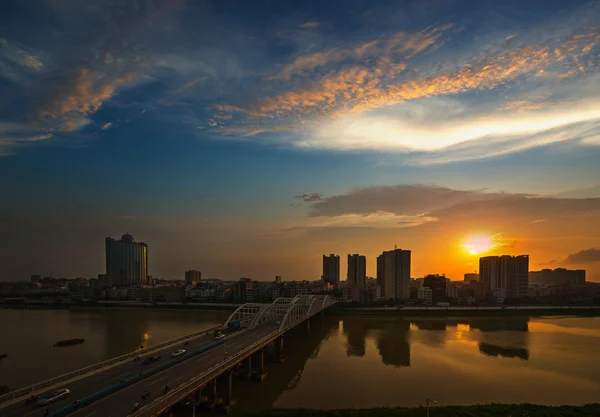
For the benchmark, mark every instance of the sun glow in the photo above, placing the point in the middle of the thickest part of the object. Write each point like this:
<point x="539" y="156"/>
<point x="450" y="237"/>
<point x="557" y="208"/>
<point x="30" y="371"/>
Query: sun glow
<point x="478" y="244"/>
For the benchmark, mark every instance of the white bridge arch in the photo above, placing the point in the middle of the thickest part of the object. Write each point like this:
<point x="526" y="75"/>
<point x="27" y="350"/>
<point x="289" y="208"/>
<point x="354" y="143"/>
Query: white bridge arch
<point x="285" y="311"/>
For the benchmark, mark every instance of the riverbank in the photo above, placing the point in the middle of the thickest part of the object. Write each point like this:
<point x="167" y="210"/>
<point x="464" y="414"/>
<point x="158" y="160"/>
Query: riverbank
<point x="33" y="304"/>
<point x="509" y="311"/>
<point x="491" y="410"/>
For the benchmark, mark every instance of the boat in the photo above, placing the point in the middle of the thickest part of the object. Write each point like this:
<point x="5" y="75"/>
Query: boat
<point x="69" y="342"/>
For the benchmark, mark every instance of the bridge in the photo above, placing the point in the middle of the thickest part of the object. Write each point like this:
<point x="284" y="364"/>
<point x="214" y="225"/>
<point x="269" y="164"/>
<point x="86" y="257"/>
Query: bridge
<point x="111" y="388"/>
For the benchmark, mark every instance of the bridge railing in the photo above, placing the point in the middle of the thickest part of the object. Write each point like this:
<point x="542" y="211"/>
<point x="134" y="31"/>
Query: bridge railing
<point x="180" y="393"/>
<point x="63" y="378"/>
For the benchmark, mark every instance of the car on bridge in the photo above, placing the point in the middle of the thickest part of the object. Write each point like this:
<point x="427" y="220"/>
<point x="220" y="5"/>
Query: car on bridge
<point x="151" y="359"/>
<point x="53" y="396"/>
<point x="219" y="336"/>
<point x="178" y="353"/>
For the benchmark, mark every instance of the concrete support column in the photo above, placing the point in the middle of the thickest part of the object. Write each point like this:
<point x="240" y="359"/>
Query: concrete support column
<point x="279" y="349"/>
<point x="228" y="388"/>
<point x="212" y="390"/>
<point x="259" y="361"/>
<point x="245" y="370"/>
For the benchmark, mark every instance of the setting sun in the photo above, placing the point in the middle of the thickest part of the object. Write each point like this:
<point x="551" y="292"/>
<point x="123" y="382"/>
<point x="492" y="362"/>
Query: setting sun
<point x="478" y="244"/>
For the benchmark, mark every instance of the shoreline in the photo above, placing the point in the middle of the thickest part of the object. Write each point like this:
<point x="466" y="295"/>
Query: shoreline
<point x="488" y="410"/>
<point x="119" y="305"/>
<point x="460" y="312"/>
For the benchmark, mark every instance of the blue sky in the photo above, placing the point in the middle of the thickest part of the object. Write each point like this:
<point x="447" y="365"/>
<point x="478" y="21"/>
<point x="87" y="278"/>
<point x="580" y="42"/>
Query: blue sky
<point x="196" y="125"/>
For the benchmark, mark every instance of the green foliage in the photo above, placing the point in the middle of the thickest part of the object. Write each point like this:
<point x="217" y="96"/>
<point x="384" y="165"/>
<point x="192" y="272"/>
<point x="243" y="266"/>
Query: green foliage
<point x="490" y="410"/>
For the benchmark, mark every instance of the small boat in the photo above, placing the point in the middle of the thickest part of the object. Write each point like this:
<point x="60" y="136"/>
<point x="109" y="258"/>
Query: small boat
<point x="69" y="342"/>
<point x="3" y="355"/>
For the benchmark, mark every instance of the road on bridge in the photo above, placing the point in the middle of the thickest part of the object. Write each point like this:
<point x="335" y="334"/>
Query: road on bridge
<point x="91" y="384"/>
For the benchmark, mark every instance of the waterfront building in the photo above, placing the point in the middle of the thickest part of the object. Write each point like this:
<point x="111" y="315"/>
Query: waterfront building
<point x="193" y="277"/>
<point x="504" y="276"/>
<point x="126" y="261"/>
<point x="331" y="270"/>
<point x="393" y="274"/>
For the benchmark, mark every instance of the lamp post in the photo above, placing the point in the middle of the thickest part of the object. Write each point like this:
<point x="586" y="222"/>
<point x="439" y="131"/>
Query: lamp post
<point x="427" y="401"/>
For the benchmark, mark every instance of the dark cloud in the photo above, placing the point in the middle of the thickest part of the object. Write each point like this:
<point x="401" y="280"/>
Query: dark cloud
<point x="310" y="197"/>
<point x="584" y="256"/>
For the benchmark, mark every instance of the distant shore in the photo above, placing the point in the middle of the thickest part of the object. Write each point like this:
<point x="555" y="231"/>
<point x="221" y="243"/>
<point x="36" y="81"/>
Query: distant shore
<point x="470" y="311"/>
<point x="491" y="410"/>
<point x="117" y="304"/>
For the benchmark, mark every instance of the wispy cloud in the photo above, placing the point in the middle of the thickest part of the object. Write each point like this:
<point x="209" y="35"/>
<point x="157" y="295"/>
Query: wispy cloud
<point x="584" y="256"/>
<point x="16" y="135"/>
<point x="310" y="25"/>
<point x="309" y="197"/>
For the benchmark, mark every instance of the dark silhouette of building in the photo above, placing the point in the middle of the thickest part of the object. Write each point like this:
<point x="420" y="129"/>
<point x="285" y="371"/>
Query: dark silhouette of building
<point x="126" y="261"/>
<point x="393" y="274"/>
<point x="193" y="277"/>
<point x="437" y="283"/>
<point x="504" y="276"/>
<point x="559" y="276"/>
<point x="331" y="269"/>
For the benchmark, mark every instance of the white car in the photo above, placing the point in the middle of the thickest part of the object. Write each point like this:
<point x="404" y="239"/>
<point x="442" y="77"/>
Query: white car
<point x="219" y="337"/>
<point x="178" y="353"/>
<point x="53" y="396"/>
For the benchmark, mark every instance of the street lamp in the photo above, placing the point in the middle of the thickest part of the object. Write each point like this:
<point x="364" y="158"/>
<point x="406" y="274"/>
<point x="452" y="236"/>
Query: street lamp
<point x="427" y="401"/>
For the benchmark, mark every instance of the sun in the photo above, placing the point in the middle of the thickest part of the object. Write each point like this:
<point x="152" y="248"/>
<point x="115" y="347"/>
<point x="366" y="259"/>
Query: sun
<point x="478" y="244"/>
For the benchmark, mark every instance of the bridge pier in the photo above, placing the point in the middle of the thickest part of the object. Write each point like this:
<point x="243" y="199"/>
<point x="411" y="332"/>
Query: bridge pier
<point x="308" y="324"/>
<point x="259" y="359"/>
<point x="228" y="401"/>
<point x="279" y="349"/>
<point x="246" y="368"/>
<point x="207" y="402"/>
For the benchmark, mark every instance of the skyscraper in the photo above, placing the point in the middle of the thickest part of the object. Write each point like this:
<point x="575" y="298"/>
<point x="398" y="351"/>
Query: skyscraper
<point x="331" y="269"/>
<point x="357" y="271"/>
<point x="126" y="261"/>
<point x="504" y="276"/>
<point x="393" y="274"/>
<point x="192" y="277"/>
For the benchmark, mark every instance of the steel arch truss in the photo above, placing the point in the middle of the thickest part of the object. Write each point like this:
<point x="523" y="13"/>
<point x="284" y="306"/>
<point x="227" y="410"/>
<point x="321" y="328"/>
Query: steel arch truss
<point x="246" y="313"/>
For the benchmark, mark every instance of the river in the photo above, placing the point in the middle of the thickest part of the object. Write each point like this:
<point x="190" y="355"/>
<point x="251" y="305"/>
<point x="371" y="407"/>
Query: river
<point x="346" y="361"/>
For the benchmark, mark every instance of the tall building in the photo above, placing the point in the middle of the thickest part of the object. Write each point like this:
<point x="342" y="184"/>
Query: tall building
<point x="558" y="276"/>
<point x="126" y="261"/>
<point x="393" y="274"/>
<point x="437" y="283"/>
<point x="471" y="277"/>
<point x="278" y="278"/>
<point x="504" y="276"/>
<point x="331" y="269"/>
<point x="192" y="277"/>
<point x="357" y="271"/>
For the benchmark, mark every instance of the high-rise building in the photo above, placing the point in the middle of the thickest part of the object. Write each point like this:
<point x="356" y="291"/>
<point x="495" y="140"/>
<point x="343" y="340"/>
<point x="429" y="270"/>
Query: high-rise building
<point x="357" y="271"/>
<point x="278" y="278"/>
<point x="437" y="283"/>
<point x="192" y="277"/>
<point x="471" y="277"/>
<point x="331" y="269"/>
<point x="504" y="276"/>
<point x="558" y="276"/>
<point x="393" y="274"/>
<point x="126" y="261"/>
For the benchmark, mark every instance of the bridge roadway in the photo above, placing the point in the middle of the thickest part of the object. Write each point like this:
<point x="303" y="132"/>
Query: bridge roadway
<point x="91" y="384"/>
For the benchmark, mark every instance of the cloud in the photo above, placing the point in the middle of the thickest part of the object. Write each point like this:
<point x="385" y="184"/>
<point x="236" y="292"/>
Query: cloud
<point x="16" y="135"/>
<point x="310" y="25"/>
<point x="421" y="204"/>
<point x="106" y="125"/>
<point x="310" y="197"/>
<point x="584" y="256"/>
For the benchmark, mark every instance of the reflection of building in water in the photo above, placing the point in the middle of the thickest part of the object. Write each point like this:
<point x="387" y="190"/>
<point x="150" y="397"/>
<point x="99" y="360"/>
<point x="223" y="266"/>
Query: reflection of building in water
<point x="434" y="332"/>
<point x="393" y="345"/>
<point x="356" y="334"/>
<point x="507" y="352"/>
<point x="503" y="337"/>
<point x="122" y="331"/>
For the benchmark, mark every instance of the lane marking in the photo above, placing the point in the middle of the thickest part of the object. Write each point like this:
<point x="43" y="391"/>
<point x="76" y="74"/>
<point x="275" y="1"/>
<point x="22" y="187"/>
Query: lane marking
<point x="156" y="381"/>
<point x="90" y="414"/>
<point x="116" y="377"/>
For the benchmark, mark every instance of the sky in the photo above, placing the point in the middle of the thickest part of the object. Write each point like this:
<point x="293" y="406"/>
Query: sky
<point x="246" y="139"/>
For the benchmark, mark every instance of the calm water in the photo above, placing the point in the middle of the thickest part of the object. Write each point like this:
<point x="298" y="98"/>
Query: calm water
<point x="343" y="361"/>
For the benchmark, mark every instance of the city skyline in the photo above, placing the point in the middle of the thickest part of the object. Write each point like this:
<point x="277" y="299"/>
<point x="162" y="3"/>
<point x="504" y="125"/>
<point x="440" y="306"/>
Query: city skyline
<point x="246" y="140"/>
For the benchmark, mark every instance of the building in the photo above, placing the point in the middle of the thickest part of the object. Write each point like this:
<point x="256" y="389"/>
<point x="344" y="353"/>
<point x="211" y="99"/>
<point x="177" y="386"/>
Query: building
<point x="373" y="292"/>
<point x="393" y="274"/>
<point x="504" y="276"/>
<point x="437" y="284"/>
<point x="193" y="277"/>
<point x="559" y="276"/>
<point x="278" y="279"/>
<point x="126" y="261"/>
<point x="357" y="271"/>
<point x="331" y="270"/>
<point x="471" y="277"/>
<point x="453" y="289"/>
<point x="425" y="294"/>
<point x="243" y="289"/>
